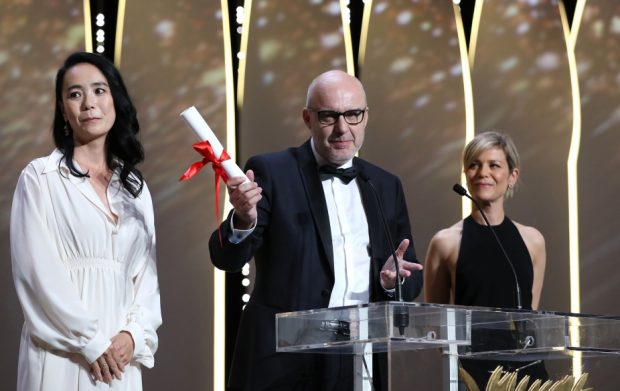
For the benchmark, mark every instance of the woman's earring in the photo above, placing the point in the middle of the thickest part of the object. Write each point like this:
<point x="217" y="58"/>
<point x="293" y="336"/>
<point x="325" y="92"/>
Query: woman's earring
<point x="66" y="130"/>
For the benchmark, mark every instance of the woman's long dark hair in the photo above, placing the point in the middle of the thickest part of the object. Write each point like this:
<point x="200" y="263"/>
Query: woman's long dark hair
<point x="123" y="149"/>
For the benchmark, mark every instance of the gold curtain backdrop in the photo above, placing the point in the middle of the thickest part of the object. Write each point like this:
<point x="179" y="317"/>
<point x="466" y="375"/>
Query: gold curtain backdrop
<point x="35" y="37"/>
<point x="413" y="74"/>
<point x="427" y="91"/>
<point x="169" y="66"/>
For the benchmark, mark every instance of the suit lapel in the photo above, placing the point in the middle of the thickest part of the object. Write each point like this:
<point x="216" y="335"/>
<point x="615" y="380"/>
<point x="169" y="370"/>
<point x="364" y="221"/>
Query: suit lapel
<point x="316" y="199"/>
<point x="372" y="213"/>
<point x="375" y="232"/>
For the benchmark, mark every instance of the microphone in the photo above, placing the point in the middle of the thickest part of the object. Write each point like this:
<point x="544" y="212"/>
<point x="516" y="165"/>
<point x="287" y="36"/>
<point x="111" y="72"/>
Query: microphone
<point x="401" y="314"/>
<point x="460" y="190"/>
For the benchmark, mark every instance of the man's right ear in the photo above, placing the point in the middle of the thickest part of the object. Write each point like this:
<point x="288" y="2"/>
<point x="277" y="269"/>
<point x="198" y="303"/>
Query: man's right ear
<point x="306" y="116"/>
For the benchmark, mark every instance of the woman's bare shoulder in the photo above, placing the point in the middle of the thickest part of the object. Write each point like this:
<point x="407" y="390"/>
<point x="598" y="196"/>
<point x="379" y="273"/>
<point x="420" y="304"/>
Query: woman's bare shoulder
<point x="530" y="235"/>
<point x="447" y="239"/>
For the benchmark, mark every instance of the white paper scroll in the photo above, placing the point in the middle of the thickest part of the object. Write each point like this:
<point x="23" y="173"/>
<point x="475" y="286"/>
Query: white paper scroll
<point x="198" y="124"/>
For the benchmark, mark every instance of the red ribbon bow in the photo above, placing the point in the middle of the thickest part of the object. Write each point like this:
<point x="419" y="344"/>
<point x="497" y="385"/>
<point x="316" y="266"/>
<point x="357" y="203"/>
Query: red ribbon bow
<point x="204" y="148"/>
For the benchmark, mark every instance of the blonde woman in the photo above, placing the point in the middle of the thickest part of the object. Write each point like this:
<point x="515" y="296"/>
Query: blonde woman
<point x="466" y="266"/>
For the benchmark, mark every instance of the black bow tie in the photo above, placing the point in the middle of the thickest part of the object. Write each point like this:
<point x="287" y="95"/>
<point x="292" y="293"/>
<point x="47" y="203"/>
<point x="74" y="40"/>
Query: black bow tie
<point x="346" y="175"/>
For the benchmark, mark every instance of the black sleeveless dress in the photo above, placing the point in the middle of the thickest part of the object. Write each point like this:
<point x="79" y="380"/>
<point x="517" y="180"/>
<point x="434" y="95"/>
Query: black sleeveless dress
<point x="484" y="278"/>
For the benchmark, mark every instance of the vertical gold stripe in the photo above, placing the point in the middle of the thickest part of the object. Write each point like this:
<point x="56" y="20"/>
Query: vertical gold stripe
<point x="469" y="110"/>
<point x="88" y="28"/>
<point x="473" y="34"/>
<point x="468" y="95"/>
<point x="231" y="139"/>
<point x="219" y="276"/>
<point x="361" y="54"/>
<point x="348" y="42"/>
<point x="571" y="167"/>
<point x="573" y="156"/>
<point x="118" y="42"/>
<point x="576" y="25"/>
<point x="245" y="36"/>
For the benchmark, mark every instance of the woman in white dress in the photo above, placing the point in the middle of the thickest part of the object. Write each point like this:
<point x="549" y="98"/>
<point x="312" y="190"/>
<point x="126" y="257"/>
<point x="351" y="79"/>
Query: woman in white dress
<point x="83" y="242"/>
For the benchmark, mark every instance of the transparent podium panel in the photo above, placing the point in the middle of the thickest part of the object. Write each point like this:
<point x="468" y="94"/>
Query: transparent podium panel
<point x="460" y="332"/>
<point x="515" y="335"/>
<point x="593" y="335"/>
<point x="386" y="326"/>
<point x="476" y="332"/>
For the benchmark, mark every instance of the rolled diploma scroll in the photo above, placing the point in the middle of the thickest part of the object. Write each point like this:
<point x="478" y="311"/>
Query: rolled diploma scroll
<point x="198" y="124"/>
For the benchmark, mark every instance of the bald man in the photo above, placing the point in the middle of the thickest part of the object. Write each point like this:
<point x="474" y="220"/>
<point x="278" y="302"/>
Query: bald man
<point x="310" y="219"/>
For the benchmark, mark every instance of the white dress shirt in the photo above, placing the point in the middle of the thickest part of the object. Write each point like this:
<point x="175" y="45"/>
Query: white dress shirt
<point x="350" y="240"/>
<point x="349" y="230"/>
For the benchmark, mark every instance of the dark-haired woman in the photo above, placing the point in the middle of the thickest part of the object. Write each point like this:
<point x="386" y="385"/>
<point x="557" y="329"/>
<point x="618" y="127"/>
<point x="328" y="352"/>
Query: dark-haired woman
<point x="83" y="242"/>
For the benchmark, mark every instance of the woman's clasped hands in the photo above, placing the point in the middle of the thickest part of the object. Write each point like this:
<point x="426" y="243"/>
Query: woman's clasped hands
<point x="111" y="364"/>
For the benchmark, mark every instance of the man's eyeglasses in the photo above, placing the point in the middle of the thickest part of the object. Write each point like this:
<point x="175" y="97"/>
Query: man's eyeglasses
<point x="330" y="117"/>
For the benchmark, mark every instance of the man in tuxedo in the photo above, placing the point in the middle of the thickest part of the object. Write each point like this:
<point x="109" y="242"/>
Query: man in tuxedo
<point x="317" y="239"/>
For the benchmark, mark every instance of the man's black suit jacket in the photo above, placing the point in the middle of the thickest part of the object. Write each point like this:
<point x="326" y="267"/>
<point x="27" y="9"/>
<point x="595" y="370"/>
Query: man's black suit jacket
<point x="293" y="254"/>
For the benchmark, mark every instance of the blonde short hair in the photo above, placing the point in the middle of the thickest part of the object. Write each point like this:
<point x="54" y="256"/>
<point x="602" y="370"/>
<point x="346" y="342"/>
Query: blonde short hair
<point x="489" y="140"/>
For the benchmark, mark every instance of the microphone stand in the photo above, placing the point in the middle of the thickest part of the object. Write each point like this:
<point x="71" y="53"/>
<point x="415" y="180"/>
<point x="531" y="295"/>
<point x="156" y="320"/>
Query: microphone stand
<point x="401" y="313"/>
<point x="460" y="190"/>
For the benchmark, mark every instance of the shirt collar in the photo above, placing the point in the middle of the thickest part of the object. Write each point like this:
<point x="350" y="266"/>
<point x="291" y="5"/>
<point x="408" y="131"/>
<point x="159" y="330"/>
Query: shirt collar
<point x="55" y="161"/>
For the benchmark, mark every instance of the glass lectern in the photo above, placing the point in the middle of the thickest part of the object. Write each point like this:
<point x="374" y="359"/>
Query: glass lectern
<point x="473" y="332"/>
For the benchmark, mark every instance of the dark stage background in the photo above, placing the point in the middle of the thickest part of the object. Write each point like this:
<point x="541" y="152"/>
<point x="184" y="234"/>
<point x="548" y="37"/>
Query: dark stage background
<point x="545" y="71"/>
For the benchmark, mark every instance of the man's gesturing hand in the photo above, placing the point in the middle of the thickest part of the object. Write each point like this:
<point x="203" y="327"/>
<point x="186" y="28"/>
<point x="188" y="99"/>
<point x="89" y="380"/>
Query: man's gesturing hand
<point x="388" y="272"/>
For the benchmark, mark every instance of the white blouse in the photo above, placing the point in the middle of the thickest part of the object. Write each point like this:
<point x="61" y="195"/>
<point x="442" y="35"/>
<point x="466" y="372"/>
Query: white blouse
<point x="80" y="277"/>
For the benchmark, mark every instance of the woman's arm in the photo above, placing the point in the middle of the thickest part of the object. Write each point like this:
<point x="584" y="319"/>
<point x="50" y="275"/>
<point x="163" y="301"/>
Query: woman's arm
<point x="53" y="311"/>
<point x="144" y="316"/>
<point x="535" y="243"/>
<point x="438" y="267"/>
